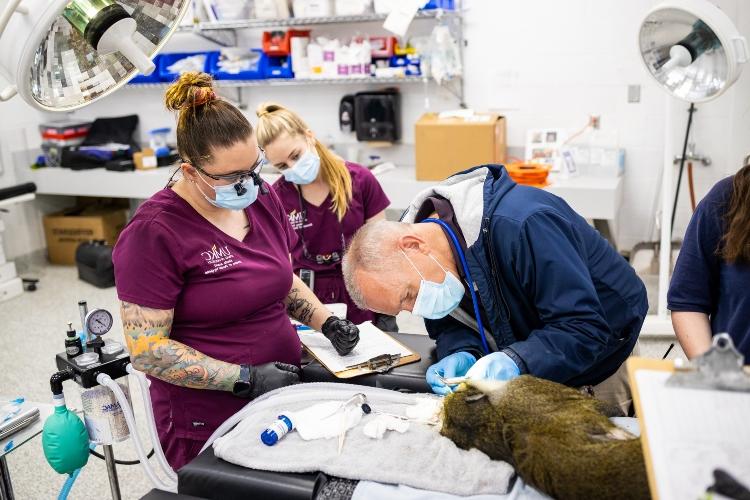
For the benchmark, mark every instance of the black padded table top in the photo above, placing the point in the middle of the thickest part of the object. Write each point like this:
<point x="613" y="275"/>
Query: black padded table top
<point x="212" y="478"/>
<point x="165" y="495"/>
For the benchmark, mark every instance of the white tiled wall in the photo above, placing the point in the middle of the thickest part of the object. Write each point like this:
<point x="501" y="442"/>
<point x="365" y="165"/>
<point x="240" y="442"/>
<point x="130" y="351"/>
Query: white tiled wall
<point x="543" y="63"/>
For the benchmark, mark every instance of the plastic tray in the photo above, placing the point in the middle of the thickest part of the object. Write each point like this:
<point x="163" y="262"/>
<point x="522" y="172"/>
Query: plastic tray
<point x="278" y="67"/>
<point x="257" y="74"/>
<point x="167" y="60"/>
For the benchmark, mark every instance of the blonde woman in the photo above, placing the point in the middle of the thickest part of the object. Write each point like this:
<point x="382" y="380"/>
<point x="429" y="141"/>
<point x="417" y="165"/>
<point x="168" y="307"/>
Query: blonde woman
<point x="326" y="198"/>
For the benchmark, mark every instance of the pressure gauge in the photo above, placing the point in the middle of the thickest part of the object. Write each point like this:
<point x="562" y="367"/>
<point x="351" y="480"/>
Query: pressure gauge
<point x="99" y="322"/>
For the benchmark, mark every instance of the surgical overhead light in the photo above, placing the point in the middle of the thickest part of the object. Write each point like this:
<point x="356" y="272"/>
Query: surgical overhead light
<point x="60" y="55"/>
<point x="695" y="53"/>
<point x="692" y="49"/>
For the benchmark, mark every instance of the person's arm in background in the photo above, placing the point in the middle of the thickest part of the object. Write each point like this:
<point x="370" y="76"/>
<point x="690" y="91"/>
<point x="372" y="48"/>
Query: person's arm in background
<point x="378" y="216"/>
<point x="693" y="330"/>
<point x="154" y="353"/>
<point x="693" y="291"/>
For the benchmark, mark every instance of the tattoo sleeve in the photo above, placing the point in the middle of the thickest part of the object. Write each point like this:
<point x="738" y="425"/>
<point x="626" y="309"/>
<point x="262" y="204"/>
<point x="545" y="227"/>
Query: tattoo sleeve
<point x="153" y="352"/>
<point x="304" y="306"/>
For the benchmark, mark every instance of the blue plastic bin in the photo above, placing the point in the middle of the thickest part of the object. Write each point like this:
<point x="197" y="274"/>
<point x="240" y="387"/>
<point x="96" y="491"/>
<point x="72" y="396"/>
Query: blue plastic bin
<point x="152" y="78"/>
<point x="440" y="4"/>
<point x="256" y="73"/>
<point x="279" y="67"/>
<point x="167" y="60"/>
<point x="411" y="63"/>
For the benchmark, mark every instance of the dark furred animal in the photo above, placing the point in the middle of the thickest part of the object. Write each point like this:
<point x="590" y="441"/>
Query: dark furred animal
<point x="559" y="440"/>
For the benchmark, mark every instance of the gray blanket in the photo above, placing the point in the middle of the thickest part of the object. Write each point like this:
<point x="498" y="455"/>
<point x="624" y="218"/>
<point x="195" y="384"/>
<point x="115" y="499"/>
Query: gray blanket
<point x="420" y="458"/>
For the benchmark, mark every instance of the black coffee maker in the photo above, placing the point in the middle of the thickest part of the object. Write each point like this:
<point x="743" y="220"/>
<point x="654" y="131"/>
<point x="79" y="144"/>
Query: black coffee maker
<point x="375" y="116"/>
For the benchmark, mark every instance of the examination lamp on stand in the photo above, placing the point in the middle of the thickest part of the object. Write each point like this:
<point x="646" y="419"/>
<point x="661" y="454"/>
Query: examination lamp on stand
<point x="60" y="55"/>
<point x="695" y="53"/>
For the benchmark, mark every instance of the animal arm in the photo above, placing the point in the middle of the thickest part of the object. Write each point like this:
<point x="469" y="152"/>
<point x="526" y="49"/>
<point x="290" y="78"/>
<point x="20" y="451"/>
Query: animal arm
<point x="154" y="353"/>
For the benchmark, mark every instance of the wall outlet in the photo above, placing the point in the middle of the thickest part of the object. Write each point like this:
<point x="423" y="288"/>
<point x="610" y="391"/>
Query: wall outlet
<point x="634" y="93"/>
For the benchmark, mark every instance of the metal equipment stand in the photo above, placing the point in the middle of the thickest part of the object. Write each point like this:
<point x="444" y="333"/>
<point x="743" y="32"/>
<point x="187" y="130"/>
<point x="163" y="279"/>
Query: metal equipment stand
<point x="6" y="488"/>
<point x="114" y="483"/>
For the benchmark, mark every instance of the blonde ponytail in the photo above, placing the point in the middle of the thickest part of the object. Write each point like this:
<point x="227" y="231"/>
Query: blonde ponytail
<point x="275" y="119"/>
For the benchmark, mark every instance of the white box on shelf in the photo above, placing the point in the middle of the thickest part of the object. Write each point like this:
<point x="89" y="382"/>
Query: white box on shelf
<point x="312" y="8"/>
<point x="11" y="289"/>
<point x="353" y="7"/>
<point x="384" y="6"/>
<point x="8" y="271"/>
<point x="271" y="9"/>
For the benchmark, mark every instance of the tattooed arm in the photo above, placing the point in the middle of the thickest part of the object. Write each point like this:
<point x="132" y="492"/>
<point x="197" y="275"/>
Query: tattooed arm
<point x="304" y="306"/>
<point x="154" y="353"/>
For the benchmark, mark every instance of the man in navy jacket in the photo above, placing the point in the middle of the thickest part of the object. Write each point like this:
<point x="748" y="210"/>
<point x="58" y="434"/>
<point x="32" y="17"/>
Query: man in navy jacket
<point x="554" y="298"/>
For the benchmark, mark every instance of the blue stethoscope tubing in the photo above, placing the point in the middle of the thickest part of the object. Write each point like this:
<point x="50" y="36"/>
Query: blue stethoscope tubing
<point x="465" y="266"/>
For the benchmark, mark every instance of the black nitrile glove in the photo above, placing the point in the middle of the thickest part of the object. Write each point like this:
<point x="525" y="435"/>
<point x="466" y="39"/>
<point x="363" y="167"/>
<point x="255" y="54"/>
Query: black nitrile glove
<point x="343" y="334"/>
<point x="270" y="376"/>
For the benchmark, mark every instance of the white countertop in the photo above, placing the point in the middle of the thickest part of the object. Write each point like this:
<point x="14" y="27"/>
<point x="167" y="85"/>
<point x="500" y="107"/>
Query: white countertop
<point x="592" y="197"/>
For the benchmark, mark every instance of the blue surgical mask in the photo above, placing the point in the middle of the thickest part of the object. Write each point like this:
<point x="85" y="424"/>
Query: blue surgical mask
<point x="437" y="300"/>
<point x="305" y="170"/>
<point x="237" y="196"/>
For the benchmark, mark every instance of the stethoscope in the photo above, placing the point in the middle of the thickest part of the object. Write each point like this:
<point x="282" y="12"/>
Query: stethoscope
<point x="465" y="267"/>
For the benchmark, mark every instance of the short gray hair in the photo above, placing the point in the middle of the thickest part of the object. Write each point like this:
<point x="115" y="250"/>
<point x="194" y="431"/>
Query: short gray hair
<point x="370" y="250"/>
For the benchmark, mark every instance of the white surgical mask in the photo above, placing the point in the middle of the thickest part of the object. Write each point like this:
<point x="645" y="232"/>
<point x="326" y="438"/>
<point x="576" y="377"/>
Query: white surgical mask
<point x="305" y="170"/>
<point x="437" y="300"/>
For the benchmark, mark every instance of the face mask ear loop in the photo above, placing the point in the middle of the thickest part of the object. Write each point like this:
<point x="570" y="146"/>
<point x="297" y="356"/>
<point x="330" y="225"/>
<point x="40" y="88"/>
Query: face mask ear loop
<point x="439" y="264"/>
<point x="412" y="265"/>
<point x="211" y="201"/>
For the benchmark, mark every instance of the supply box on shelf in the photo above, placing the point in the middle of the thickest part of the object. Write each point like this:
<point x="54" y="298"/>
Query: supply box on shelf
<point x="66" y="229"/>
<point x="448" y="145"/>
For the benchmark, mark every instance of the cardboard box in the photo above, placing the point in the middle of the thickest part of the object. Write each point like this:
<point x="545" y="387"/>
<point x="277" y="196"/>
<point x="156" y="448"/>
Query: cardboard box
<point x="69" y="228"/>
<point x="445" y="146"/>
<point x="145" y="159"/>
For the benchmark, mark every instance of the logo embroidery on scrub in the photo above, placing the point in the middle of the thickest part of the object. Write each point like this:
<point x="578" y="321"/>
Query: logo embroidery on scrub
<point x="296" y="219"/>
<point x="219" y="258"/>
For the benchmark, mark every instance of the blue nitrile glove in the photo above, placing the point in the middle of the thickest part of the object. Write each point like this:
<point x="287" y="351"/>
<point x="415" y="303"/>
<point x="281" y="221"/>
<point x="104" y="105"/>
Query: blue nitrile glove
<point x="454" y="365"/>
<point x="495" y="366"/>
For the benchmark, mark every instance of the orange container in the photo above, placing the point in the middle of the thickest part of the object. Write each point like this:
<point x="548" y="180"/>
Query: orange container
<point x="530" y="174"/>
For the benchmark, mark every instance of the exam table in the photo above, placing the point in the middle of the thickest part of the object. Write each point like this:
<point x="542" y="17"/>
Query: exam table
<point x="209" y="477"/>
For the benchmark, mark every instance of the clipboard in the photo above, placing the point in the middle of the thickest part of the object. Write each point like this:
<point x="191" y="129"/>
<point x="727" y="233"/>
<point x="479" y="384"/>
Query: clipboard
<point x="707" y="379"/>
<point x="378" y="352"/>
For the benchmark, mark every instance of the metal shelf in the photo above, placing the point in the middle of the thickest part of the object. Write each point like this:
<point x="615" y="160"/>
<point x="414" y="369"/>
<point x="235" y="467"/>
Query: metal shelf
<point x="293" y="82"/>
<point x="306" y="21"/>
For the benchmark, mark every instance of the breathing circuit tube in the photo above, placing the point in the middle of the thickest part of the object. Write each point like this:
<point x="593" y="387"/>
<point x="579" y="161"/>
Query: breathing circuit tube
<point x="68" y="485"/>
<point x="143" y="382"/>
<point x="107" y="381"/>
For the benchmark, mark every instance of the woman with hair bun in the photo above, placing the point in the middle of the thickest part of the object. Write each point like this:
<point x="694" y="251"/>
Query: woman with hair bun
<point x="326" y="200"/>
<point x="205" y="280"/>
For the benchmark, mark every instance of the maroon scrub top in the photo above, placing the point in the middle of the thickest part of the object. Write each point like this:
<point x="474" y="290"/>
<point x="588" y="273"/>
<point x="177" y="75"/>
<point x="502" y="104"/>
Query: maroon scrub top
<point x="227" y="297"/>
<point x="322" y="233"/>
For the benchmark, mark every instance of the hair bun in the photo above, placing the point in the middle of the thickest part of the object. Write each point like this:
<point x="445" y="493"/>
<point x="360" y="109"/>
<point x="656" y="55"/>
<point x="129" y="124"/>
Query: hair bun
<point x="192" y="89"/>
<point x="267" y="108"/>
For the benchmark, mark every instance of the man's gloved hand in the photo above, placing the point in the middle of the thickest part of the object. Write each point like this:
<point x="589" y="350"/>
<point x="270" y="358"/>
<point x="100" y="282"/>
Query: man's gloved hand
<point x="270" y="376"/>
<point x="454" y="365"/>
<point x="343" y="334"/>
<point x="495" y="366"/>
